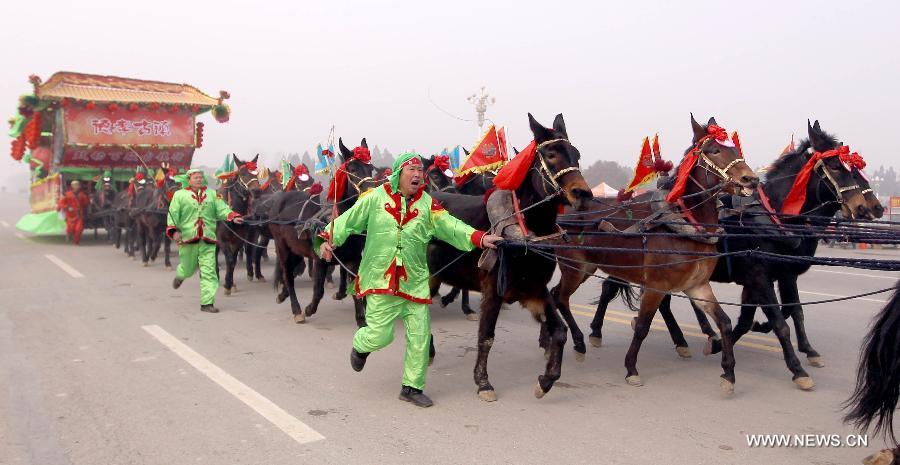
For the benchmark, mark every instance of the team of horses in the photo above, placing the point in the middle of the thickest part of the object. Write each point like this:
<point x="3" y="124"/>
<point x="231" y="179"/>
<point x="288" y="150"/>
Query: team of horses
<point x="645" y="264"/>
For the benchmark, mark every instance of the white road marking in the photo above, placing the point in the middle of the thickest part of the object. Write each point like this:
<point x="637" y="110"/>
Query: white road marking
<point x="836" y="295"/>
<point x="64" y="266"/>
<point x="293" y="427"/>
<point x="4" y="223"/>
<point x="879" y="276"/>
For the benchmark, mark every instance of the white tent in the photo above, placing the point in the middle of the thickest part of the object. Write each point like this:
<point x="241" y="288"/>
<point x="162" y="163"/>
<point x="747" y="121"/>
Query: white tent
<point x="604" y="190"/>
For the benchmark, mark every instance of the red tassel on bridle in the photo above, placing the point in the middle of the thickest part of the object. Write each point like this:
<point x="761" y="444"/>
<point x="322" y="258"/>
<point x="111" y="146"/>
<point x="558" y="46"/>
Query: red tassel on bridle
<point x="797" y="196"/>
<point x="690" y="159"/>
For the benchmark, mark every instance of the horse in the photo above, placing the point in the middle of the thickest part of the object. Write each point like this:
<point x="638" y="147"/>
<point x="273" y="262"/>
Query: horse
<point x="831" y="188"/>
<point x="152" y="205"/>
<point x="101" y="209"/>
<point x="239" y="189"/>
<point x="874" y="398"/>
<point x="123" y="211"/>
<point x="552" y="179"/>
<point x="712" y="164"/>
<point x="293" y="242"/>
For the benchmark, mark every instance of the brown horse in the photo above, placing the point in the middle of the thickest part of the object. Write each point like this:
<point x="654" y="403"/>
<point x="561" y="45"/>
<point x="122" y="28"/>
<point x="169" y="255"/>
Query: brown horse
<point x="552" y="179"/>
<point x="239" y="190"/>
<point x="711" y="165"/>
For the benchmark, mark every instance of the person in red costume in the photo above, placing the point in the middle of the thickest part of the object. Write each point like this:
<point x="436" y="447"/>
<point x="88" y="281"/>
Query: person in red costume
<point x="74" y="204"/>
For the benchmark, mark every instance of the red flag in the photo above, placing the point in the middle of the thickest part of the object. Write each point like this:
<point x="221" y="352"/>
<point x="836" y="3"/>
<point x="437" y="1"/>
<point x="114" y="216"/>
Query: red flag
<point x="644" y="172"/>
<point x="790" y="147"/>
<point x="485" y="156"/>
<point x="501" y="142"/>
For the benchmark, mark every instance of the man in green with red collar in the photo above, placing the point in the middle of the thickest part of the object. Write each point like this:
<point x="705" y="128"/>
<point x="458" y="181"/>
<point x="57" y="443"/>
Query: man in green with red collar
<point x="191" y="222"/>
<point x="400" y="220"/>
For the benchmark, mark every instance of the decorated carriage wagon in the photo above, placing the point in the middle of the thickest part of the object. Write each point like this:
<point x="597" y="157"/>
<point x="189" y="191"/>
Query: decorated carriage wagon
<point x="82" y="126"/>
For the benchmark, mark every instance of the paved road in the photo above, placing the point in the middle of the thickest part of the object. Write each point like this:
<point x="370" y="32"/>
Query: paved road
<point x="103" y="363"/>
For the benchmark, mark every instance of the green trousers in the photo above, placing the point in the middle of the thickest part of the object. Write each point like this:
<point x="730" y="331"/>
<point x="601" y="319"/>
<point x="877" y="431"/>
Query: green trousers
<point x="202" y="255"/>
<point x="381" y="311"/>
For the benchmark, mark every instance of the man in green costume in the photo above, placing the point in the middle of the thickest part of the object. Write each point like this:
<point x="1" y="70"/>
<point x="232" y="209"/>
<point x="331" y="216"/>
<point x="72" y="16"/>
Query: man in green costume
<point x="400" y="219"/>
<point x="191" y="222"/>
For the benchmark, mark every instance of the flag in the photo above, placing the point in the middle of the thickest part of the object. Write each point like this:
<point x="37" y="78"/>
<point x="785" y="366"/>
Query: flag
<point x="485" y="156"/>
<point x="454" y="157"/>
<point x="789" y="148"/>
<point x="324" y="159"/>
<point x="286" y="171"/>
<point x="649" y="165"/>
<point x="501" y="142"/>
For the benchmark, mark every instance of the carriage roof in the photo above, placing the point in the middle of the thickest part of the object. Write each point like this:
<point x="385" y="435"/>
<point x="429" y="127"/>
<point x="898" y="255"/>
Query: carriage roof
<point x="97" y="88"/>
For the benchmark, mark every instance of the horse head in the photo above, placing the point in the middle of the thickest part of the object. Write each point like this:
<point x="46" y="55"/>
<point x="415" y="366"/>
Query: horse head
<point x="833" y="179"/>
<point x="438" y="174"/>
<point x="245" y="180"/>
<point x="555" y="167"/>
<point x="357" y="165"/>
<point x="718" y="160"/>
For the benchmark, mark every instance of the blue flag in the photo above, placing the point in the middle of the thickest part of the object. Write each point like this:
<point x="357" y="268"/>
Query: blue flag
<point x="454" y="158"/>
<point x="324" y="161"/>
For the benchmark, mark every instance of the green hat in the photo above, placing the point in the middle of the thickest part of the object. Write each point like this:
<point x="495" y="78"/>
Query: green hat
<point x="187" y="176"/>
<point x="408" y="158"/>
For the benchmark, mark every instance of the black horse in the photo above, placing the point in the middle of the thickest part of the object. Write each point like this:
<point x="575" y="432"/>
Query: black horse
<point x="239" y="190"/>
<point x="151" y="206"/>
<point x="552" y="179"/>
<point x="293" y="242"/>
<point x="831" y="188"/>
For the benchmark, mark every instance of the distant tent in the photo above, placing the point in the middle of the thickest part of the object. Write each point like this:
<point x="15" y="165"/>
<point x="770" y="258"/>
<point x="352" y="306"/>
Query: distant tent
<point x="604" y="190"/>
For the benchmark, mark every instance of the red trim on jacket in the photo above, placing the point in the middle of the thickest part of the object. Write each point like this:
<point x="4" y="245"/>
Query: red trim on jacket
<point x="476" y="238"/>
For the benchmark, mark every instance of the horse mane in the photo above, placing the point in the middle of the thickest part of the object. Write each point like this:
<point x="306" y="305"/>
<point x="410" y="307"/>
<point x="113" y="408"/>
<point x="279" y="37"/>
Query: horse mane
<point x="780" y="176"/>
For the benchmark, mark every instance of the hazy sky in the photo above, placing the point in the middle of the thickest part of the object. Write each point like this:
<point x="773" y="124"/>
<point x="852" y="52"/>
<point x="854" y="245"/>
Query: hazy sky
<point x="616" y="70"/>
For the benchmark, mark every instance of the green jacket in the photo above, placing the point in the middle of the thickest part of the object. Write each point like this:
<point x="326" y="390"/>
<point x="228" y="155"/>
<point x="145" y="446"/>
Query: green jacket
<point x="194" y="214"/>
<point x="394" y="259"/>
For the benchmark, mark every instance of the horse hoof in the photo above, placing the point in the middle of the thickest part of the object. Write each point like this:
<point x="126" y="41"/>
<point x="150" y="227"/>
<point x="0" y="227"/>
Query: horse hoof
<point x="488" y="396"/>
<point x="805" y="382"/>
<point x="249" y="277"/>
<point x="299" y="318"/>
<point x="683" y="352"/>
<point x="634" y="380"/>
<point x="227" y="291"/>
<point x="579" y="357"/>
<point x="633" y="323"/>
<point x="472" y="316"/>
<point x="279" y="299"/>
<point x="727" y="386"/>
<point x="539" y="391"/>
<point x="816" y="362"/>
<point x="885" y="457"/>
<point x="707" y="348"/>
<point x="595" y="341"/>
<point x="261" y="279"/>
<point x="146" y="264"/>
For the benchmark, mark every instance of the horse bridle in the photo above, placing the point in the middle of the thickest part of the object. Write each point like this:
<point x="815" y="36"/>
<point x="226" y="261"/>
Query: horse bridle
<point x="708" y="164"/>
<point x="434" y="185"/>
<point x="547" y="176"/>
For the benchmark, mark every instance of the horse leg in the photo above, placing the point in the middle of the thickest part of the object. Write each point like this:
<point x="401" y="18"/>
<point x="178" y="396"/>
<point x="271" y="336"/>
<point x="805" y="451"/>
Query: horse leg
<point x="707" y="302"/>
<point x="766" y="296"/>
<point x="681" y="345"/>
<point x="487" y="324"/>
<point x="249" y="252"/>
<point x="649" y="303"/>
<point x="543" y="307"/>
<point x="607" y="294"/>
<point x="790" y="301"/>
<point x="167" y="250"/>
<point x="561" y="295"/>
<point x="231" y="251"/>
<point x="263" y="243"/>
<point x="281" y="253"/>
<point x="319" y="272"/>
<point x="288" y="272"/>
<point x="144" y="243"/>
<point x="342" y="286"/>
<point x="450" y="297"/>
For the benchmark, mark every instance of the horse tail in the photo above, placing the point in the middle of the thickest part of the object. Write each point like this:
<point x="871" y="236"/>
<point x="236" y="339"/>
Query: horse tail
<point x="878" y="376"/>
<point x="623" y="290"/>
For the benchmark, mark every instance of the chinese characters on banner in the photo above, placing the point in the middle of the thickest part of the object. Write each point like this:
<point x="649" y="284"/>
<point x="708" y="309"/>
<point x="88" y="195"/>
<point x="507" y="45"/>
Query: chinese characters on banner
<point x="141" y="127"/>
<point x="116" y="157"/>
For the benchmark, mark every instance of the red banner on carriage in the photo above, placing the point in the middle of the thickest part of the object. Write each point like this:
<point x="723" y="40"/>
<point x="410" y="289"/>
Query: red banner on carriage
<point x="125" y="127"/>
<point x="125" y="157"/>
